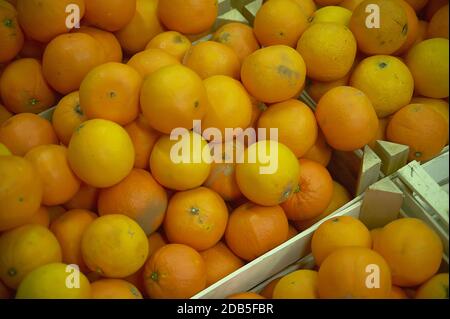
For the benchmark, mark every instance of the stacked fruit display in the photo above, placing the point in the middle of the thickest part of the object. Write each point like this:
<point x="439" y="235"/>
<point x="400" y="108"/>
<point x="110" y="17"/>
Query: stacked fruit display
<point x="97" y="189"/>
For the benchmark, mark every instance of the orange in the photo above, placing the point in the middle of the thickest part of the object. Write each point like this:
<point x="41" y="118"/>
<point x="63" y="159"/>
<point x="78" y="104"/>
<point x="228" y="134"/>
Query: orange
<point x="230" y="105"/>
<point x="320" y="152"/>
<point x="438" y="105"/>
<point x="155" y="242"/>
<point x="350" y="4"/>
<point x="11" y="36"/>
<point x="139" y="197"/>
<point x="67" y="116"/>
<point x="308" y="6"/>
<point x="340" y="197"/>
<point x="196" y="218"/>
<point x="331" y="14"/>
<point x="327" y="2"/>
<point x="337" y="233"/>
<point x="114" y="289"/>
<point x="188" y="16"/>
<point x="68" y="58"/>
<point x="274" y="74"/>
<point x="69" y="229"/>
<point x="260" y="228"/>
<point x="239" y="37"/>
<point x="432" y="7"/>
<point x="44" y="20"/>
<point x="413" y="28"/>
<point x="41" y="217"/>
<point x="317" y="89"/>
<point x="142" y="28"/>
<point x="175" y="272"/>
<point x="398" y="293"/>
<point x="381" y="133"/>
<point x="151" y="60"/>
<point x="111" y="92"/>
<point x="313" y="193"/>
<point x="421" y="128"/>
<point x="325" y="56"/>
<point x="60" y="183"/>
<point x="412" y="250"/>
<point x="85" y="198"/>
<point x="88" y="146"/>
<point x="143" y="138"/>
<point x="23" y="87"/>
<point x="280" y="22"/>
<point x="4" y="114"/>
<point x="220" y="262"/>
<point x="108" y="41"/>
<point x="246" y="295"/>
<point x="188" y="171"/>
<point x="120" y="260"/>
<point x="347" y="118"/>
<point x="387" y="37"/>
<point x="267" y="292"/>
<point x="435" y="288"/>
<point x="212" y="58"/>
<point x="51" y="282"/>
<point x="428" y="63"/>
<point x="301" y="284"/>
<point x="24" y="249"/>
<point x="422" y="32"/>
<point x="296" y="124"/>
<point x="386" y="81"/>
<point x="171" y="42"/>
<point x="110" y="15"/>
<point x="352" y="272"/>
<point x="24" y="131"/>
<point x="438" y="27"/>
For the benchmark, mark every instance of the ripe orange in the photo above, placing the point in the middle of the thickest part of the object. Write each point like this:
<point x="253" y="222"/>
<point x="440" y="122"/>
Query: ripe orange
<point x="347" y="118"/>
<point x="143" y="138"/>
<point x="24" y="131"/>
<point x="176" y="272"/>
<point x="398" y="293"/>
<point x="11" y="36"/>
<point x="68" y="58"/>
<point x="412" y="250"/>
<point x="85" y="198"/>
<point x="296" y="124"/>
<point x="111" y="92"/>
<point x="51" y="163"/>
<point x="188" y="16"/>
<point x="185" y="172"/>
<point x="320" y="152"/>
<point x="246" y="295"/>
<point x="44" y="20"/>
<point x="274" y="74"/>
<point x="173" y="97"/>
<point x="280" y="22"/>
<point x="239" y="37"/>
<point x="437" y="105"/>
<point x="151" y="60"/>
<point x="260" y="228"/>
<point x="108" y="41"/>
<point x="4" y="114"/>
<point x="220" y="262"/>
<point x="386" y="81"/>
<point x="24" y="249"/>
<point x="413" y="27"/>
<point x="155" y="242"/>
<point x="435" y="288"/>
<point x="317" y="89"/>
<point x="337" y="233"/>
<point x="139" y="197"/>
<point x="325" y="56"/>
<point x="67" y="116"/>
<point x="313" y="193"/>
<point x="196" y="218"/>
<point x="212" y="58"/>
<point x="301" y="284"/>
<point x="110" y="15"/>
<point x="391" y="33"/>
<point x="308" y="6"/>
<point x="421" y="128"/>
<point x="90" y="142"/>
<point x="69" y="229"/>
<point x="142" y="28"/>
<point x="331" y="14"/>
<point x="422" y="32"/>
<point x="125" y="257"/>
<point x="438" y="27"/>
<point x="340" y="197"/>
<point x="350" y="273"/>
<point x="171" y="42"/>
<point x="23" y="87"/>
<point x="229" y="104"/>
<point x="114" y="289"/>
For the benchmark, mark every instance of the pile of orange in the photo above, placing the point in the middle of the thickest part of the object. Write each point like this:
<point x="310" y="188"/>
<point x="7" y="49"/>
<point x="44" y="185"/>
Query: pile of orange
<point x="98" y="186"/>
